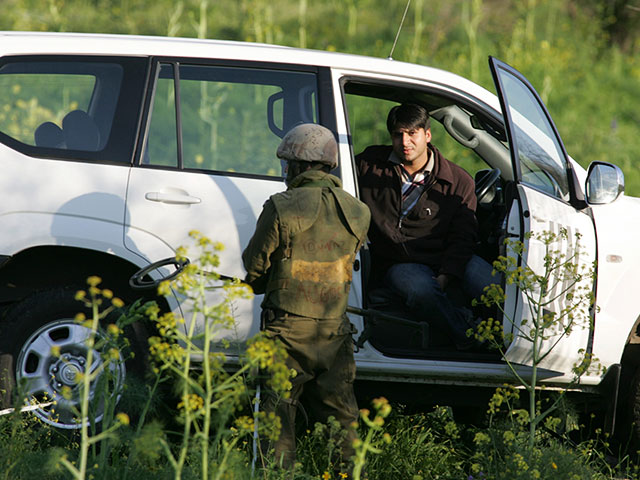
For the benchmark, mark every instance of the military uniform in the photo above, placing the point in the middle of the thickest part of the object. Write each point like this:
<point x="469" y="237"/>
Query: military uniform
<point x="301" y="257"/>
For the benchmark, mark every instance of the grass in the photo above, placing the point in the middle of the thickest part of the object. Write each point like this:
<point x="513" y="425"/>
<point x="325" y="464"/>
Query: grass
<point x="418" y="446"/>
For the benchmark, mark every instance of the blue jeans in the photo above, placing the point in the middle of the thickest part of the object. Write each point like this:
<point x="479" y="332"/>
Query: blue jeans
<point x="414" y="286"/>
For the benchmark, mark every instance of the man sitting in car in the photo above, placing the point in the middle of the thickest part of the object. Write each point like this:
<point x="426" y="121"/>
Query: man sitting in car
<point x="423" y="227"/>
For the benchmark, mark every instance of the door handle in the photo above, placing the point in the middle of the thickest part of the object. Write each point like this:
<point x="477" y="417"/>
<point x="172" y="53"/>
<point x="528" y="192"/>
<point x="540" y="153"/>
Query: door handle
<point x="172" y="198"/>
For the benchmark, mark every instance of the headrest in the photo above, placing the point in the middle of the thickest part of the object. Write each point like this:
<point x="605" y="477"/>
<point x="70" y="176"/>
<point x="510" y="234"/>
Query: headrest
<point x="49" y="134"/>
<point x="80" y="131"/>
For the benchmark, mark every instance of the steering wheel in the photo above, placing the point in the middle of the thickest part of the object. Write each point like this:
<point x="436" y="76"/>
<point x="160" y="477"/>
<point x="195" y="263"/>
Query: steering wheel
<point x="484" y="185"/>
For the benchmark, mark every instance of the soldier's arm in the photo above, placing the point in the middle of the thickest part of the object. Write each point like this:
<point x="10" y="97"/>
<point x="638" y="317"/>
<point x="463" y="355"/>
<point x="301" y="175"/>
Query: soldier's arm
<point x="257" y="256"/>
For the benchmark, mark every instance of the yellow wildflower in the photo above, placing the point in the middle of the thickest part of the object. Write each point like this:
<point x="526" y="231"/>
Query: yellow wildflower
<point x="481" y="438"/>
<point x="164" y="288"/>
<point x="381" y="404"/>
<point x="191" y="402"/>
<point x="123" y="418"/>
<point x="66" y="392"/>
<point x="152" y="310"/>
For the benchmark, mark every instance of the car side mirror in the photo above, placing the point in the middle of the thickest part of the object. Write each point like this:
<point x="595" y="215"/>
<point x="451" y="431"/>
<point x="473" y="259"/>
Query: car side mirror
<point x="605" y="183"/>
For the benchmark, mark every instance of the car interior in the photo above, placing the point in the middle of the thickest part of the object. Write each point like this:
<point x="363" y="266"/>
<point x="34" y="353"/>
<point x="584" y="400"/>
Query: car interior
<point x="473" y="140"/>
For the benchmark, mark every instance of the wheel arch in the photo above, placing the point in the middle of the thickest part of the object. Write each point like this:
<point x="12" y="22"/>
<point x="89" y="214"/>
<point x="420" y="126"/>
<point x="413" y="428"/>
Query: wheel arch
<point x="631" y="353"/>
<point x="618" y="387"/>
<point x="44" y="267"/>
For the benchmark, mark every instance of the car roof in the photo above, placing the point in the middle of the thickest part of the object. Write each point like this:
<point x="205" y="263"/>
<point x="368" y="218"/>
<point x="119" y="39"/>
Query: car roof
<point x="33" y="43"/>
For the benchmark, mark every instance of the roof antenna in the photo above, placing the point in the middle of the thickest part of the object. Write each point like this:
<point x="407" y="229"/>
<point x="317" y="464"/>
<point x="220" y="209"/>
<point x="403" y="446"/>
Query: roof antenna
<point x="390" y="57"/>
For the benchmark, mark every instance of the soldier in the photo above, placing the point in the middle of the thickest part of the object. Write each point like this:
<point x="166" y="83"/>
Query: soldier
<point x="301" y="257"/>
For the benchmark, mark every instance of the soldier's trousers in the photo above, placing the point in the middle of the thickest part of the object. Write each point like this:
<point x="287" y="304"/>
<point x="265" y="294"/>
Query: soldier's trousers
<point x="321" y="352"/>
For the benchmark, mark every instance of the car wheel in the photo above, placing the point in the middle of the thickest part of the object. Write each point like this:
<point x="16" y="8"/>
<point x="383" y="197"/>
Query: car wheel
<point x="47" y="348"/>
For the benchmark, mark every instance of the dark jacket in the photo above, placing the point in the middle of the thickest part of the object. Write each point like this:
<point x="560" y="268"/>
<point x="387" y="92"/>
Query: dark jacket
<point x="301" y="255"/>
<point x="441" y="229"/>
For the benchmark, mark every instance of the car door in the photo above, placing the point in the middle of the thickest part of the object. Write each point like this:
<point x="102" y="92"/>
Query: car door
<point x="548" y="199"/>
<point x="209" y="161"/>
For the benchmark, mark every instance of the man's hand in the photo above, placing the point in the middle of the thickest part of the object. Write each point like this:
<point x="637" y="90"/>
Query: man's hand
<point x="443" y="280"/>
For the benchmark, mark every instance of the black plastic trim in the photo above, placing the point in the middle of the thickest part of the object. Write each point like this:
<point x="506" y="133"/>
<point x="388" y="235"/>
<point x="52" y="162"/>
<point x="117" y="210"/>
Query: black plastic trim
<point x="4" y="259"/>
<point x="609" y="389"/>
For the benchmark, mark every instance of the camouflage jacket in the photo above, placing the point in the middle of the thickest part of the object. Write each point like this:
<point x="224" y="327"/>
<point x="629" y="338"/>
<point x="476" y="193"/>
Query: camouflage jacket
<point x="302" y="252"/>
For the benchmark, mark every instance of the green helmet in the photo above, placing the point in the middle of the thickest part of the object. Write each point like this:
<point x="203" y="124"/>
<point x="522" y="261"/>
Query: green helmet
<point x="309" y="143"/>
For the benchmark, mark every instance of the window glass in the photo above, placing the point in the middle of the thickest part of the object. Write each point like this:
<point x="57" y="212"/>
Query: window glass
<point x="41" y="98"/>
<point x="231" y="119"/>
<point x="542" y="161"/>
<point x="54" y="105"/>
<point x="162" y="139"/>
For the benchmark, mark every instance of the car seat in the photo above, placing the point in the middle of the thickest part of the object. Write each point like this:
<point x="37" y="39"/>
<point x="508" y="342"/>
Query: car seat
<point x="80" y="131"/>
<point x="48" y="134"/>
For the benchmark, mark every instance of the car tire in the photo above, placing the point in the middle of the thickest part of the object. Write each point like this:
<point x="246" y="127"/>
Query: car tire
<point x="632" y="410"/>
<point x="31" y="370"/>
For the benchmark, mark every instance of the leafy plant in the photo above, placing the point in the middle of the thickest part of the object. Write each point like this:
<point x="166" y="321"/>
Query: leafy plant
<point x="557" y="301"/>
<point x="211" y="395"/>
<point x="102" y="371"/>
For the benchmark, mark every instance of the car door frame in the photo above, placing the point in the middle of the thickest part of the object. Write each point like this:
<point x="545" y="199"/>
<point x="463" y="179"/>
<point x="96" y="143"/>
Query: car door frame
<point x="519" y="225"/>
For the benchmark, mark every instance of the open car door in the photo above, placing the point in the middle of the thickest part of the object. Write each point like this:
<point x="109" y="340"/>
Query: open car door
<point x="548" y="199"/>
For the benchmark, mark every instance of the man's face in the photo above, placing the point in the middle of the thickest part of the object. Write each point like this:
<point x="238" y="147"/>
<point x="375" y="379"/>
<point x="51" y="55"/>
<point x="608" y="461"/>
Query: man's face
<point x="410" y="145"/>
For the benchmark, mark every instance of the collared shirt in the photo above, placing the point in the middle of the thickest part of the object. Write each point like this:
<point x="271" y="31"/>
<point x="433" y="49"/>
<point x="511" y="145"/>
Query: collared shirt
<point x="439" y="231"/>
<point x="412" y="184"/>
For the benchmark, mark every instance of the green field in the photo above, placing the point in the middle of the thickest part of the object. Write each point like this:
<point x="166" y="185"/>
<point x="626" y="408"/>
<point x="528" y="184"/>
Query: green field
<point x="583" y="58"/>
<point x="581" y="55"/>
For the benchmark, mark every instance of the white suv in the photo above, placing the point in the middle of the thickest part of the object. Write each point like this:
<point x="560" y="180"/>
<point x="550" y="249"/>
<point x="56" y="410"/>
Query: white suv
<point x="114" y="147"/>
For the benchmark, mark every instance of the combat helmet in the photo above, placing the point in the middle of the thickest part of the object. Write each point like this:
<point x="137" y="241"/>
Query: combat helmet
<point x="309" y="142"/>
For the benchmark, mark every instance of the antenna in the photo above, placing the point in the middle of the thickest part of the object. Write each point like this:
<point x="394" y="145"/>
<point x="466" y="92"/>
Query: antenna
<point x="399" y="28"/>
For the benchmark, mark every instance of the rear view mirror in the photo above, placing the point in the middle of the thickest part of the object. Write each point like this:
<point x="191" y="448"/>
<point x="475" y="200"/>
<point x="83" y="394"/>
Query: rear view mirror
<point x="605" y="183"/>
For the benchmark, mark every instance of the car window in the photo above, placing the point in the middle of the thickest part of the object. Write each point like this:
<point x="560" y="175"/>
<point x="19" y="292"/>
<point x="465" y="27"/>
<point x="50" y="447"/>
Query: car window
<point x="230" y="119"/>
<point x="162" y="142"/>
<point x="42" y="98"/>
<point x="542" y="161"/>
<point x="70" y="105"/>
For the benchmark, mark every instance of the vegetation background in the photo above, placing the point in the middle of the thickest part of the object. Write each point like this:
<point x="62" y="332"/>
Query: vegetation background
<point x="581" y="55"/>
